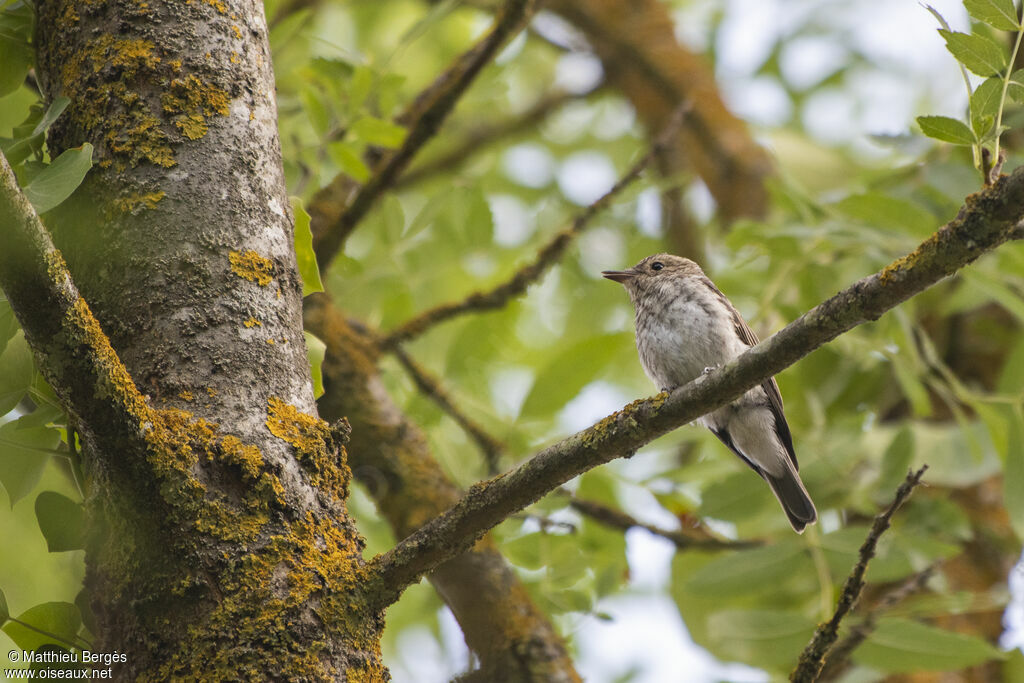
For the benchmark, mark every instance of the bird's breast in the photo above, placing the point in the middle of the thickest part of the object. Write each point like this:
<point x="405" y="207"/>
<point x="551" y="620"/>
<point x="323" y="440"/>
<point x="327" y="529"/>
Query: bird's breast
<point x="683" y="335"/>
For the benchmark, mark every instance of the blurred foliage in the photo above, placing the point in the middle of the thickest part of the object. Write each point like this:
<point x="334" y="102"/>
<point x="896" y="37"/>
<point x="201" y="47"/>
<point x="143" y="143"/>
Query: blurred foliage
<point x="938" y="381"/>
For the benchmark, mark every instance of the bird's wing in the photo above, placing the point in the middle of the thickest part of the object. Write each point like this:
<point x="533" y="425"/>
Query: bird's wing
<point x="770" y="386"/>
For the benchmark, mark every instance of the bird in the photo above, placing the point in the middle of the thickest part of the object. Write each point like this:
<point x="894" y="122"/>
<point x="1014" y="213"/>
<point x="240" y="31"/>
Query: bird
<point x="686" y="327"/>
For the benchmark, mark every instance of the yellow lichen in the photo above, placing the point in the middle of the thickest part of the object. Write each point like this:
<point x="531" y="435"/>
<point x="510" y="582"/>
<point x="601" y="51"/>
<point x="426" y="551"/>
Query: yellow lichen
<point x="139" y="200"/>
<point x="111" y="109"/>
<point x="251" y="322"/>
<point x="191" y="101"/>
<point x="311" y="438"/>
<point x="187" y="395"/>
<point x="252" y="267"/>
<point x="112" y="379"/>
<point x="247" y="457"/>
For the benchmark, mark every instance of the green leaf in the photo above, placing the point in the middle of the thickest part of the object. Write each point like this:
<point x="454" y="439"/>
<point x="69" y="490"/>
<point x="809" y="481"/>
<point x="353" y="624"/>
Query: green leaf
<point x="1011" y="379"/>
<point x="946" y="129"/>
<point x="61" y="520"/>
<point x="359" y="87"/>
<point x="763" y="638"/>
<point x="895" y="463"/>
<point x="316" y="110"/>
<point x="999" y="14"/>
<point x="378" y="132"/>
<point x="392" y="217"/>
<point x="60" y="179"/>
<point x="4" y="611"/>
<point x="997" y="289"/>
<point x="913" y="388"/>
<point x="1013" y="492"/>
<point x="24" y="452"/>
<point x="985" y="105"/>
<point x="15" y="62"/>
<point x="567" y="373"/>
<point x="53" y="112"/>
<point x="315" y="352"/>
<point x="739" y="496"/>
<point x="755" y="571"/>
<point x="8" y="326"/>
<point x="348" y="160"/>
<point x="25" y="142"/>
<point x="980" y="54"/>
<point x="60" y="619"/>
<point x="1015" y="89"/>
<point x="882" y="211"/>
<point x="304" y="253"/>
<point x="16" y="372"/>
<point x="902" y="645"/>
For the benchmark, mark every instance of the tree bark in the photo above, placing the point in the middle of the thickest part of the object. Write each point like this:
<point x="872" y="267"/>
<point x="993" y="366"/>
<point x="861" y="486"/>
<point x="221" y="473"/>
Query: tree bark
<point x="221" y="546"/>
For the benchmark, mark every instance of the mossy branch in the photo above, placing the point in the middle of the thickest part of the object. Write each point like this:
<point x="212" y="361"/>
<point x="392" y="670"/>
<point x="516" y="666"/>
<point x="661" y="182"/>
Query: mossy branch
<point x="988" y="219"/>
<point x="813" y="657"/>
<point x="423" y="118"/>
<point x="86" y="373"/>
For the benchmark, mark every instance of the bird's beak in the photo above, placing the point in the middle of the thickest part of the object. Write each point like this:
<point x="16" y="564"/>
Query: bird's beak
<point x="622" y="276"/>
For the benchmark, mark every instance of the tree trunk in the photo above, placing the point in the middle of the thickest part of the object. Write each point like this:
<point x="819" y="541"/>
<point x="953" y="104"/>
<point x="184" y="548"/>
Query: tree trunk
<point x="222" y="548"/>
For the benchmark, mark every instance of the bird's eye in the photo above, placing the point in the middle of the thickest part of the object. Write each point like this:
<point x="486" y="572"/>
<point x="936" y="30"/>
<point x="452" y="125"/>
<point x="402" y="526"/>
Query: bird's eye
<point x="657" y="265"/>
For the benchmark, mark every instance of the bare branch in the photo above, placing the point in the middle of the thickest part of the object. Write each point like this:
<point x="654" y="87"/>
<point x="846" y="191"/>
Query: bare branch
<point x="838" y="658"/>
<point x="985" y="222"/>
<point x="500" y="295"/>
<point x="485" y="136"/>
<point x="423" y="118"/>
<point x="813" y="657"/>
<point x="431" y="387"/>
<point x="683" y="541"/>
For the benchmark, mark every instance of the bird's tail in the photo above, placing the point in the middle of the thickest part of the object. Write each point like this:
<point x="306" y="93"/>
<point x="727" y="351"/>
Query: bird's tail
<point x="795" y="500"/>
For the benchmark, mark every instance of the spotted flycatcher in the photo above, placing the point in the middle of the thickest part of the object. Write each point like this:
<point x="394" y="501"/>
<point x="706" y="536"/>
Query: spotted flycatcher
<point x="685" y="326"/>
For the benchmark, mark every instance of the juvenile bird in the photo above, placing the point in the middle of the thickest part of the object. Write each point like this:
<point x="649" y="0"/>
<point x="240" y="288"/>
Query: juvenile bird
<point x="685" y="326"/>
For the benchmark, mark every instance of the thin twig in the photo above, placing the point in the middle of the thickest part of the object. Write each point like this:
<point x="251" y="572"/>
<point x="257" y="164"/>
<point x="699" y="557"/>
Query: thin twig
<point x="624" y="522"/>
<point x="422" y="119"/>
<point x="430" y="385"/>
<point x="485" y="136"/>
<point x="839" y="656"/>
<point x="500" y="295"/>
<point x="813" y="657"/>
<point x="984" y="223"/>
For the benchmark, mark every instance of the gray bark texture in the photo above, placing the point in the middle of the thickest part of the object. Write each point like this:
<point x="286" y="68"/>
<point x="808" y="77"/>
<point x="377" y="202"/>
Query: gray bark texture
<point x="220" y="545"/>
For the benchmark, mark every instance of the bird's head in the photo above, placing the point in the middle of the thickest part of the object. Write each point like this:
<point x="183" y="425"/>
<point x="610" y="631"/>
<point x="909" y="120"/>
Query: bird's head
<point x="654" y="272"/>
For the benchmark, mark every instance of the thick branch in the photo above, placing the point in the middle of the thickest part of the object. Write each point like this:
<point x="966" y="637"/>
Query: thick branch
<point x="985" y="222"/>
<point x="423" y="118"/>
<point x="813" y="656"/>
<point x="57" y="322"/>
<point x="499" y="296"/>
